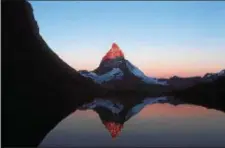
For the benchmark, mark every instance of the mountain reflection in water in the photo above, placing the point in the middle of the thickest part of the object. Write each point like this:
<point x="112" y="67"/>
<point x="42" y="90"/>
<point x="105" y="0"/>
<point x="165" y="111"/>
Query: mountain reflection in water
<point x="113" y="114"/>
<point x="136" y="122"/>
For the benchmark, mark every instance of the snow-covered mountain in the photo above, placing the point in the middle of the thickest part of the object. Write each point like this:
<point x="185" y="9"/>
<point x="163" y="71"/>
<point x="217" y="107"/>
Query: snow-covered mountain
<point x="114" y="67"/>
<point x="114" y="113"/>
<point x="117" y="107"/>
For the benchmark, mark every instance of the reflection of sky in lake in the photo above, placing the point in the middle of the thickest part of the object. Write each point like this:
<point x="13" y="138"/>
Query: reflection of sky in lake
<point x="154" y="125"/>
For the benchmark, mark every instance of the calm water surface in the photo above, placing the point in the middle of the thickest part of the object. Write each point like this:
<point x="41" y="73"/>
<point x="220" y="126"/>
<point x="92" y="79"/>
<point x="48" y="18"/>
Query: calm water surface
<point x="151" y="122"/>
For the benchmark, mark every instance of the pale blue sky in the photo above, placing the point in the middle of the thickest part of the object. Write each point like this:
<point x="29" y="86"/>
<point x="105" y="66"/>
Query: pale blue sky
<point x="162" y="38"/>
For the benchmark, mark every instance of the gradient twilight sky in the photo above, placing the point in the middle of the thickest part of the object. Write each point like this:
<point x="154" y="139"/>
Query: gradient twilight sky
<point x="161" y="38"/>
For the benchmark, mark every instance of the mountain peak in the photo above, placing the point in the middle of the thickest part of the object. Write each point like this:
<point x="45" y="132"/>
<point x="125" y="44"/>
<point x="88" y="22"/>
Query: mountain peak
<point x="113" y="128"/>
<point x="115" y="47"/>
<point x="114" y="52"/>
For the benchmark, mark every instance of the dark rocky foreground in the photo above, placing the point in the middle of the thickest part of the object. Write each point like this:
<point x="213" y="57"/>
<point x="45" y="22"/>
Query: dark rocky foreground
<point x="38" y="88"/>
<point x="208" y="94"/>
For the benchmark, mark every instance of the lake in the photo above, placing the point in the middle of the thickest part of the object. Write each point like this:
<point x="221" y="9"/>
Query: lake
<point x="152" y="122"/>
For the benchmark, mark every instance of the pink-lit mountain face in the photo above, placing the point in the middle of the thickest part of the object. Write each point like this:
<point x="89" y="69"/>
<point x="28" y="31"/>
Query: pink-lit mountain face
<point x="114" y="58"/>
<point x="113" y="53"/>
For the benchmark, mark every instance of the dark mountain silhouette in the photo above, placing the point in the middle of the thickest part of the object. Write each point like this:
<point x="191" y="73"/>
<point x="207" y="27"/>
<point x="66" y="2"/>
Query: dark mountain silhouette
<point x="214" y="76"/>
<point x="178" y="83"/>
<point x="209" y="94"/>
<point x="181" y="83"/>
<point x="39" y="89"/>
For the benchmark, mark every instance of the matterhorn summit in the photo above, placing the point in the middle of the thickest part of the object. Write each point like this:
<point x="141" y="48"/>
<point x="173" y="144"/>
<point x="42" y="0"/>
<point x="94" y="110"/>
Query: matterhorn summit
<point x="117" y="71"/>
<point x="113" y="53"/>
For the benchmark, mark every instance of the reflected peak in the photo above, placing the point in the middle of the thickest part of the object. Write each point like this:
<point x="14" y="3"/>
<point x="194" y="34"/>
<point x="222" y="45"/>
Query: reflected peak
<point x="113" y="128"/>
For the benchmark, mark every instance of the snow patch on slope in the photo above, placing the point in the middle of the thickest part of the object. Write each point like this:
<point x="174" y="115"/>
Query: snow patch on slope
<point x="115" y="74"/>
<point x="221" y="73"/>
<point x="141" y="75"/>
<point x="114" y="107"/>
<point x="91" y="75"/>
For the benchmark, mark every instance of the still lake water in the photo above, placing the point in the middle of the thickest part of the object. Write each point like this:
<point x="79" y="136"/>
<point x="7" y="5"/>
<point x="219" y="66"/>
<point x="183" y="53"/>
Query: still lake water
<point x="150" y="122"/>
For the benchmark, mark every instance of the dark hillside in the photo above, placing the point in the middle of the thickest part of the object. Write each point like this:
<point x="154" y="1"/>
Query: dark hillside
<point x="209" y="94"/>
<point x="38" y="88"/>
